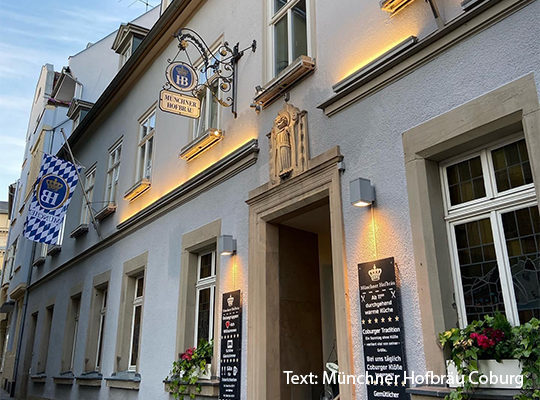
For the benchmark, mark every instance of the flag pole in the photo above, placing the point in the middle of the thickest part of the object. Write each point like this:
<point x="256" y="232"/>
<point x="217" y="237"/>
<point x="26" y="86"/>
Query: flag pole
<point x="87" y="203"/>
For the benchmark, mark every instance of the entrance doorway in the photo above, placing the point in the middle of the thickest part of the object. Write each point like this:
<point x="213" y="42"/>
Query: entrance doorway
<point x="305" y="311"/>
<point x="298" y="283"/>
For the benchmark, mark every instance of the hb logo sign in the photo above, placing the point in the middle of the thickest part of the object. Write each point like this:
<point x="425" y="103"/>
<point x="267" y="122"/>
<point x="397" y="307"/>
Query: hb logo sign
<point x="182" y="76"/>
<point x="52" y="193"/>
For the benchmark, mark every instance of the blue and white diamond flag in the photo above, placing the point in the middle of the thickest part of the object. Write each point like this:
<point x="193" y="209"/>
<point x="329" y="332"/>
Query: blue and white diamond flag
<point x="52" y="193"/>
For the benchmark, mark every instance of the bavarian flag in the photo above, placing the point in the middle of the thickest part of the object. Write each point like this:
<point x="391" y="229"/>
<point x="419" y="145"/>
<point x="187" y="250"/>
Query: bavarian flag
<point x="53" y="189"/>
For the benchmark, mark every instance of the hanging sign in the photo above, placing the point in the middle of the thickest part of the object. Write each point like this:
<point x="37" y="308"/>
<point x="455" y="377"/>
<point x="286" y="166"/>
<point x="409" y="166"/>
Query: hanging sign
<point x="180" y="104"/>
<point x="54" y="187"/>
<point x="231" y="346"/>
<point x="382" y="329"/>
<point x="182" y="76"/>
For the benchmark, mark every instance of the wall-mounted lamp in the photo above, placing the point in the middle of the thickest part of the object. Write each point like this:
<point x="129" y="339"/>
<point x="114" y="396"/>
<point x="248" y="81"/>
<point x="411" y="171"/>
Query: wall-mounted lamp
<point x="362" y="192"/>
<point x="226" y="245"/>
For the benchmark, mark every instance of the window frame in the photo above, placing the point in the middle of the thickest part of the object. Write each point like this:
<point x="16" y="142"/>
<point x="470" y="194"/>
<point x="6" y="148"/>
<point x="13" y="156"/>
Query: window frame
<point x="208" y="97"/>
<point x="138" y="301"/>
<point x="111" y="188"/>
<point x="492" y="206"/>
<point x="101" y="328"/>
<point x="143" y="141"/>
<point x="273" y="18"/>
<point x="202" y="284"/>
<point x="89" y="191"/>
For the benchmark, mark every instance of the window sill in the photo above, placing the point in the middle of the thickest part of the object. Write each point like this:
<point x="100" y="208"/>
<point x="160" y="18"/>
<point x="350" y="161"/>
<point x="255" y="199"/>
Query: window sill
<point x="209" y="388"/>
<point x="89" y="379"/>
<point x="201" y="144"/>
<point x="290" y="76"/>
<point x="442" y="391"/>
<point x="54" y="250"/>
<point x="38" y="378"/>
<point x="106" y="211"/>
<point x="39" y="262"/>
<point x="124" y="380"/>
<point x="78" y="231"/>
<point x="65" y="378"/>
<point x="137" y="190"/>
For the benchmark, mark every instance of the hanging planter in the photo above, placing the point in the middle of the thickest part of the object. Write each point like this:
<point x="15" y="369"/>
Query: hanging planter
<point x="490" y="353"/>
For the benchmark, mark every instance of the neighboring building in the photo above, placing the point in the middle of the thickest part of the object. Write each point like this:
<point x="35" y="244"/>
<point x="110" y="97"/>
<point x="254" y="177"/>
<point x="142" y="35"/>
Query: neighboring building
<point x="61" y="101"/>
<point x="436" y="103"/>
<point x="4" y="228"/>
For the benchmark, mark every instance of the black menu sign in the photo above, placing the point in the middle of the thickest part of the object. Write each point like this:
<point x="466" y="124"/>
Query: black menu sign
<point x="382" y="330"/>
<point x="231" y="345"/>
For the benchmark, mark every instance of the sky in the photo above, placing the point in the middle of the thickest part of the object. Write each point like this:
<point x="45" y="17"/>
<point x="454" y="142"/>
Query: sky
<point x="34" y="33"/>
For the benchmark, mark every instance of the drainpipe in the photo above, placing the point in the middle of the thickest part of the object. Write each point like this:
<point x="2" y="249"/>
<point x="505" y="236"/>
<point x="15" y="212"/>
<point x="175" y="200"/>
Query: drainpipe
<point x="23" y="319"/>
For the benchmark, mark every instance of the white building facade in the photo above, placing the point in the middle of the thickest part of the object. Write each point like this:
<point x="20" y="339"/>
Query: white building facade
<point x="436" y="103"/>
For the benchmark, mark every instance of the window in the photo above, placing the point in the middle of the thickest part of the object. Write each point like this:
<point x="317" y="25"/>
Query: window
<point x="101" y="330"/>
<point x="89" y="182"/>
<point x="35" y="163"/>
<point x="147" y="128"/>
<point x="61" y="232"/>
<point x="136" y="324"/>
<point x="205" y="292"/>
<point x="70" y="338"/>
<point x="494" y="230"/>
<point x="45" y="339"/>
<point x="289" y="32"/>
<point x="10" y="259"/>
<point x="208" y="95"/>
<point x="113" y="170"/>
<point x="124" y="56"/>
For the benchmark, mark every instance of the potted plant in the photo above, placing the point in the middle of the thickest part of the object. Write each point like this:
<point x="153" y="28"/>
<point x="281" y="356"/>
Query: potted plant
<point x="193" y="364"/>
<point x="493" y="347"/>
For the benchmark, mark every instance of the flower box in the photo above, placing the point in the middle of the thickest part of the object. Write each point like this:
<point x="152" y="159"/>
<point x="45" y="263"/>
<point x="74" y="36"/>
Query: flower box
<point x="503" y="375"/>
<point x="206" y="374"/>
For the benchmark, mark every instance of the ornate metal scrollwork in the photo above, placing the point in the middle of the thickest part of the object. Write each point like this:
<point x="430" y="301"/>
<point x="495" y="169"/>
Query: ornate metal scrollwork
<point x="218" y="67"/>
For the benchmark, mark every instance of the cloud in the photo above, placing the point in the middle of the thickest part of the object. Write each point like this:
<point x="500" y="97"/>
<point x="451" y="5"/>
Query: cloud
<point x="14" y="103"/>
<point x="11" y="141"/>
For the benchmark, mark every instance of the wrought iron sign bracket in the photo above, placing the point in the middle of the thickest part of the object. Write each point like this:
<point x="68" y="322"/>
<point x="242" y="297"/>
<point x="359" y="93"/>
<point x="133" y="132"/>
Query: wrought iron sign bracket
<point x="216" y="71"/>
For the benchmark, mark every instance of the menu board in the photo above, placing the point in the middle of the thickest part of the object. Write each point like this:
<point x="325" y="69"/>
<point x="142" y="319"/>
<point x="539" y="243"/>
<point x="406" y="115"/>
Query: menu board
<point x="231" y="346"/>
<point x="382" y="330"/>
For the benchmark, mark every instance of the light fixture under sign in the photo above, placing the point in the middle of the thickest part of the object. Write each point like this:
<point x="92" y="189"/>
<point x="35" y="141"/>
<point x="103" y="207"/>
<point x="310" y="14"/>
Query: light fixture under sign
<point x="201" y="144"/>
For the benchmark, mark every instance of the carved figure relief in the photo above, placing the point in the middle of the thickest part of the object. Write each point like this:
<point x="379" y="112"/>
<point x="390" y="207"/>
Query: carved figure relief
<point x="289" y="148"/>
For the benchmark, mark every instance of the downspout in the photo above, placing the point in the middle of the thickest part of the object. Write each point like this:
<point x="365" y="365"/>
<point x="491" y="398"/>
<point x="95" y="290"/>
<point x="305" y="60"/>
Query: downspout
<point x="23" y="319"/>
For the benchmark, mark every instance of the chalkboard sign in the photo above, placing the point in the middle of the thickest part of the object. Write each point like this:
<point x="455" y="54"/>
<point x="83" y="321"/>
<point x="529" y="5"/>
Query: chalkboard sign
<point x="382" y="329"/>
<point x="231" y="346"/>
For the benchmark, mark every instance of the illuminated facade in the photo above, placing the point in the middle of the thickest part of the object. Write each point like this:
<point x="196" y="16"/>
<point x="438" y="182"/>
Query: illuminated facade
<point x="435" y="104"/>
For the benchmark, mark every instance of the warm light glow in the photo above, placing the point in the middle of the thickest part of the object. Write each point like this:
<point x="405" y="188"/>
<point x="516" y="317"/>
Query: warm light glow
<point x="365" y="62"/>
<point x="361" y="204"/>
<point x="153" y="195"/>
<point x="226" y="253"/>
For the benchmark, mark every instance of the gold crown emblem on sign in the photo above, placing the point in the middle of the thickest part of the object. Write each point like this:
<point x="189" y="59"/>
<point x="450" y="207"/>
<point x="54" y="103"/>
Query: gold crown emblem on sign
<point x="54" y="185"/>
<point x="182" y="70"/>
<point x="375" y="273"/>
<point x="230" y="301"/>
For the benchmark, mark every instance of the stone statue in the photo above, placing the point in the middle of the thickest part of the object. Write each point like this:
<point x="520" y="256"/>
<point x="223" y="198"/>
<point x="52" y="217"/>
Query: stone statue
<point x="288" y="144"/>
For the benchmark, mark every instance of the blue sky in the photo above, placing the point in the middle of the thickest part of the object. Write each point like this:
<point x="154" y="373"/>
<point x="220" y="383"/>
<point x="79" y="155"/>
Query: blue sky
<point x="33" y="33"/>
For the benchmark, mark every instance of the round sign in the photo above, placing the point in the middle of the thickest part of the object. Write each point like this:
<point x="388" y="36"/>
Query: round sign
<point x="52" y="193"/>
<point x="182" y="76"/>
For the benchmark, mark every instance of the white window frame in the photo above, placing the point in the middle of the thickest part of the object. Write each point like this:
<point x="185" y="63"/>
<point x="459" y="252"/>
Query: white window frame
<point x="75" y="331"/>
<point x="89" y="185"/>
<point x="208" y="97"/>
<point x="124" y="56"/>
<point x="113" y="172"/>
<point x="137" y="302"/>
<point x="101" y="330"/>
<point x="10" y="259"/>
<point x="143" y="141"/>
<point x="273" y="18"/>
<point x="61" y="232"/>
<point x="492" y="206"/>
<point x="205" y="283"/>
